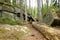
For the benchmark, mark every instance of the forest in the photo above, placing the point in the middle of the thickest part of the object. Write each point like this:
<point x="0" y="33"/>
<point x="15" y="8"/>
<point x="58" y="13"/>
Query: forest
<point x="29" y="20"/>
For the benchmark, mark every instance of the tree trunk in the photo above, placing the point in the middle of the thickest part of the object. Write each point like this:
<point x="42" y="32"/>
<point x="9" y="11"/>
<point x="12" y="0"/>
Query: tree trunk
<point x="26" y="10"/>
<point x="39" y="11"/>
<point x="21" y="11"/>
<point x="48" y="32"/>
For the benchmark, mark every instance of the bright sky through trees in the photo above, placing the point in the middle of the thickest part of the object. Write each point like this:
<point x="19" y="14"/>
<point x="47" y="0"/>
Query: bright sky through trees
<point x="34" y="3"/>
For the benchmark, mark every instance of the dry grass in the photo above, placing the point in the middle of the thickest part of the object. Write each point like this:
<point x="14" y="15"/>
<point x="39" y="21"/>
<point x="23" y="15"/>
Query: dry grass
<point x="8" y="32"/>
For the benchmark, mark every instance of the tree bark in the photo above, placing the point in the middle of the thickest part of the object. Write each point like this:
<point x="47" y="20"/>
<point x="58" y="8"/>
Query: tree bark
<point x="26" y="10"/>
<point x="21" y="11"/>
<point x="39" y="4"/>
<point x="48" y="32"/>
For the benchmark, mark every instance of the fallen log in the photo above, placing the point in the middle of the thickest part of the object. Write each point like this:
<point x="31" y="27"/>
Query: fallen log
<point x="48" y="32"/>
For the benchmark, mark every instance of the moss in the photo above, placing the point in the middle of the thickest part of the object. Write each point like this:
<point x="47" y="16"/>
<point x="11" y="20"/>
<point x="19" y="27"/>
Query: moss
<point x="7" y="20"/>
<point x="58" y="10"/>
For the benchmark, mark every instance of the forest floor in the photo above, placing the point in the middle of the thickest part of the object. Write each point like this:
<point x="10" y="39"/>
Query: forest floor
<point x="7" y="35"/>
<point x="34" y="35"/>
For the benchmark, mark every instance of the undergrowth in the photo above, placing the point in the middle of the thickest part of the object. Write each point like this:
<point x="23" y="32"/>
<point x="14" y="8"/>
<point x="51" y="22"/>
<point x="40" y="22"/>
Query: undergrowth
<point x="7" y="20"/>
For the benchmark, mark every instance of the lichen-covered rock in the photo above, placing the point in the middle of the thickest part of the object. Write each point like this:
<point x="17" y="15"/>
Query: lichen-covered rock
<point x="51" y="17"/>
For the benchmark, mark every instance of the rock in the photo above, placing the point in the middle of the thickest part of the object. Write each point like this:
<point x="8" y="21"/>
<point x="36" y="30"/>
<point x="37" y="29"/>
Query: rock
<point x="51" y="18"/>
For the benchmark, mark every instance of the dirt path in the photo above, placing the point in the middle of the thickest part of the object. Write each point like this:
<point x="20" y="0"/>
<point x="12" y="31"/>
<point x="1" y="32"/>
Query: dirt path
<point x="35" y="35"/>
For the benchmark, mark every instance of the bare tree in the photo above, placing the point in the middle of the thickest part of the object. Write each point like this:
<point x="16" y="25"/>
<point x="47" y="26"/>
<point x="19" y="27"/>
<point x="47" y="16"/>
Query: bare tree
<point x="29" y="3"/>
<point x="39" y="6"/>
<point x="59" y="2"/>
<point x="21" y="11"/>
<point x="47" y="3"/>
<point x="26" y="10"/>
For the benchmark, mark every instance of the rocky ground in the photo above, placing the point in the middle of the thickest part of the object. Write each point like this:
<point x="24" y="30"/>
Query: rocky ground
<point x="19" y="32"/>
